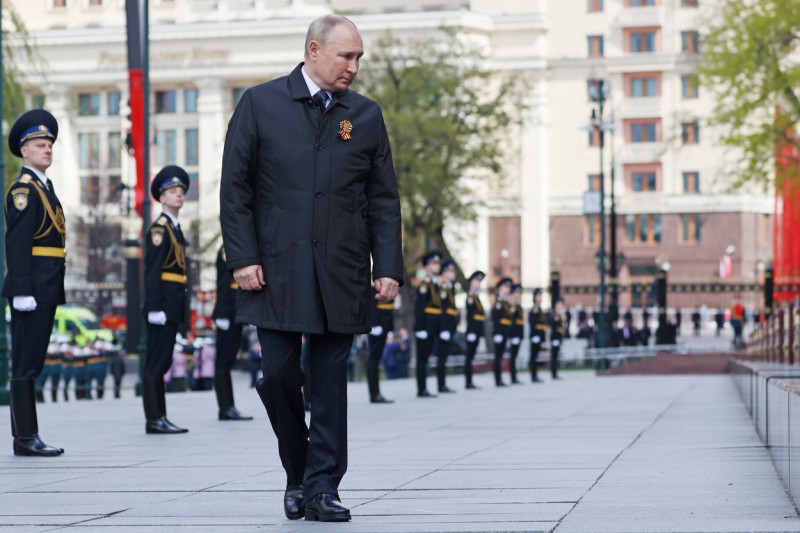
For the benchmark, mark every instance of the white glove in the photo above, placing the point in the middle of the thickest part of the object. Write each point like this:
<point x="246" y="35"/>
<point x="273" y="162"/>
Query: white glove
<point x="376" y="331"/>
<point x="497" y="338"/>
<point x="536" y="339"/>
<point x="421" y="334"/>
<point x="515" y="341"/>
<point x="158" y="318"/>
<point x="444" y="335"/>
<point x="24" y="303"/>
<point x="471" y="337"/>
<point x="556" y="343"/>
<point x="223" y="323"/>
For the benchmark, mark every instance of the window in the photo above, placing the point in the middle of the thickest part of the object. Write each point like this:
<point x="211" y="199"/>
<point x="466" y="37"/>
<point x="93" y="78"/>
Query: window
<point x="644" y="181"/>
<point x="190" y="100"/>
<point x="639" y="3"/>
<point x="165" y="147"/>
<point x="90" y="190"/>
<point x="95" y="2"/>
<point x="642" y="85"/>
<point x="113" y="103"/>
<point x="642" y="130"/>
<point x="237" y="95"/>
<point x="89" y="104"/>
<point x="643" y="229"/>
<point x="191" y="147"/>
<point x="114" y="149"/>
<point x="691" y="182"/>
<point x="593" y="229"/>
<point x="89" y="150"/>
<point x="595" y="45"/>
<point x="165" y="102"/>
<point x="690" y="132"/>
<point x="688" y="88"/>
<point x="59" y="3"/>
<point x="594" y="182"/>
<point x="688" y="3"/>
<point x="689" y="41"/>
<point x="594" y="137"/>
<point x="691" y="228"/>
<point x="115" y="189"/>
<point x="193" y="193"/>
<point x="37" y="100"/>
<point x="594" y="5"/>
<point x="641" y="40"/>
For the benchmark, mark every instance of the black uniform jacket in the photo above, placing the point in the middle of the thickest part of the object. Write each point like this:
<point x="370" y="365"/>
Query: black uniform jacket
<point x="309" y="193"/>
<point x="226" y="290"/>
<point x="35" y="235"/>
<point x="476" y="316"/>
<point x="427" y="307"/>
<point x="382" y="314"/>
<point x="556" y="328"/>
<point x="518" y="321"/>
<point x="502" y="317"/>
<point x="165" y="276"/>
<point x="537" y="320"/>
<point x="450" y="317"/>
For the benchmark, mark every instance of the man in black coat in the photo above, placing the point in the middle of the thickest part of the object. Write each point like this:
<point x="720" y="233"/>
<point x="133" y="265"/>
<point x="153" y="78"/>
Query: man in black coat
<point x="308" y="193"/>
<point x="165" y="280"/>
<point x="229" y="339"/>
<point x="36" y="262"/>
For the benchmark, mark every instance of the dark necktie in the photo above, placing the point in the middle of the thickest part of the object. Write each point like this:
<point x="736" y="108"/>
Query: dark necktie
<point x="322" y="95"/>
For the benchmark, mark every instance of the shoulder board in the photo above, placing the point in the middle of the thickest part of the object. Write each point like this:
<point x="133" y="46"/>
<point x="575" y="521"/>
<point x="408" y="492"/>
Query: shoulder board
<point x="26" y="178"/>
<point x="162" y="220"/>
<point x="20" y="190"/>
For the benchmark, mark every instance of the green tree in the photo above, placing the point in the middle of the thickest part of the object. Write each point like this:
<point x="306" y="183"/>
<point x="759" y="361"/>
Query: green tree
<point x="750" y="66"/>
<point x="449" y="124"/>
<point x="18" y="51"/>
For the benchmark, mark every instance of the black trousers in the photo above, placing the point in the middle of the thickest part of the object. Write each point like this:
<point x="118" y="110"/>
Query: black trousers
<point x="314" y="457"/>
<point x="532" y="366"/>
<point x="228" y="344"/>
<point x="472" y="347"/>
<point x="424" y="350"/>
<point x="442" y="351"/>
<point x="512" y="360"/>
<point x="497" y="365"/>
<point x="30" y="335"/>
<point x="554" y="350"/>
<point x="376" y="345"/>
<point x="160" y="345"/>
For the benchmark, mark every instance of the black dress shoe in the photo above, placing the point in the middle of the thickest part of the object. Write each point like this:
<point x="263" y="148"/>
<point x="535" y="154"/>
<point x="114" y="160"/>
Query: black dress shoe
<point x="162" y="426"/>
<point x="472" y="387"/>
<point x="516" y="382"/>
<point x="380" y="399"/>
<point x="425" y="394"/>
<point x="500" y="384"/>
<point x="232" y="413"/>
<point x="327" y="508"/>
<point x="293" y="503"/>
<point x="33" y="446"/>
<point x="446" y="390"/>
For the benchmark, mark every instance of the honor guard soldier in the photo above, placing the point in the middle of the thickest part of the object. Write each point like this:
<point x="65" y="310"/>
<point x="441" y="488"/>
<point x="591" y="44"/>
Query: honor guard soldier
<point x="229" y="339"/>
<point x="502" y="320"/>
<point x="537" y="321"/>
<point x="52" y="370"/>
<point x="427" y="313"/>
<point x="382" y="319"/>
<point x="36" y="263"/>
<point x="517" y="330"/>
<point x="165" y="282"/>
<point x="557" y="325"/>
<point x="448" y="322"/>
<point x="476" y="316"/>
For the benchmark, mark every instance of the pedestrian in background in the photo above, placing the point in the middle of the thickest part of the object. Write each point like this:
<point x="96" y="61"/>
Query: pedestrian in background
<point x="427" y="314"/>
<point x="382" y="321"/>
<point x="476" y="318"/>
<point x="502" y="319"/>
<point x="448" y="322"/>
<point x="516" y="331"/>
<point x="537" y="322"/>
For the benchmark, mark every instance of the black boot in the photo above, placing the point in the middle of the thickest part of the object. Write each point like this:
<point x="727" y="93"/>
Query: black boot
<point x="25" y="422"/>
<point x="39" y="395"/>
<point x="223" y="386"/>
<point x="155" y="408"/>
<point x="54" y="394"/>
<point x="116" y="391"/>
<point x="100" y="391"/>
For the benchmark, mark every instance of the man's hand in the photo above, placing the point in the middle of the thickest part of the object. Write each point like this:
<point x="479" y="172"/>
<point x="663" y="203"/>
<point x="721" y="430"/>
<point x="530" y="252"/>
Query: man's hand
<point x="249" y="278"/>
<point x="387" y="289"/>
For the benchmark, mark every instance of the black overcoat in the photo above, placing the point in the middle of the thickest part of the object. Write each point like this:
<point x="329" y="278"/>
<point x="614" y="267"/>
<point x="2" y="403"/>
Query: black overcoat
<point x="309" y="194"/>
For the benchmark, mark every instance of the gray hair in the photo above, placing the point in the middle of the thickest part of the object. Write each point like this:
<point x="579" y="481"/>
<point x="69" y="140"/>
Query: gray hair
<point x="320" y="30"/>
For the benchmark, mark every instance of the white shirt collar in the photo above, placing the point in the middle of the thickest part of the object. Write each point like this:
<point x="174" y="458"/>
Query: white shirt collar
<point x="313" y="88"/>
<point x="40" y="175"/>
<point x="172" y="218"/>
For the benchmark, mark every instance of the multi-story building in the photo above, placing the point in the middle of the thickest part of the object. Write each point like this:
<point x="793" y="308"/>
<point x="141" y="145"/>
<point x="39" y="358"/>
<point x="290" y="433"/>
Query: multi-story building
<point x="668" y="175"/>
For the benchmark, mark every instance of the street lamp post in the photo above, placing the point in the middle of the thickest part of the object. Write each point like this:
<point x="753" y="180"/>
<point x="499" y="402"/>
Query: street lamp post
<point x="597" y="93"/>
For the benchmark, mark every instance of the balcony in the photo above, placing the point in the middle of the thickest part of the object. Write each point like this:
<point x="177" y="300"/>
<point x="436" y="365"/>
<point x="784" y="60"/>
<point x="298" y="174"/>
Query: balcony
<point x="639" y="16"/>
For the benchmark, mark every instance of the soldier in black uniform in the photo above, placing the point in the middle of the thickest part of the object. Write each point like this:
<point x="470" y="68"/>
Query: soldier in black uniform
<point x="382" y="319"/>
<point x="537" y="321"/>
<point x="557" y="325"/>
<point x="448" y="321"/>
<point x="165" y="280"/>
<point x="229" y="339"/>
<point x="501" y="326"/>
<point x="476" y="316"/>
<point x="36" y="262"/>
<point x="516" y="331"/>
<point x="427" y="312"/>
